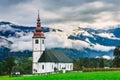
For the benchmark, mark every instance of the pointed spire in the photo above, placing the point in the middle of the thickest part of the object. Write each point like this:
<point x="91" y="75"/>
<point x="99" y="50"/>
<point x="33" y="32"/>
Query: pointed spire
<point x="38" y="32"/>
<point x="38" y="16"/>
<point x="38" y="20"/>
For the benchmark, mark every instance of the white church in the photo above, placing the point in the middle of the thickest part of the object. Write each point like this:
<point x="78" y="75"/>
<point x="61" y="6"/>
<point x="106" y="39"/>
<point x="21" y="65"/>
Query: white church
<point x="47" y="61"/>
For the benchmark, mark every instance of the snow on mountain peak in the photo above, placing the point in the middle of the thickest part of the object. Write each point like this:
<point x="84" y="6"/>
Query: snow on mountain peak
<point x="5" y="28"/>
<point x="85" y="40"/>
<point x="108" y="35"/>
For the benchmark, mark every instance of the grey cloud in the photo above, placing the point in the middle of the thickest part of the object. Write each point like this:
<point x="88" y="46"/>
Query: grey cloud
<point x="89" y="14"/>
<point x="58" y="6"/>
<point x="83" y="16"/>
<point x="6" y="5"/>
<point x="11" y="2"/>
<point x="86" y="15"/>
<point x="68" y="18"/>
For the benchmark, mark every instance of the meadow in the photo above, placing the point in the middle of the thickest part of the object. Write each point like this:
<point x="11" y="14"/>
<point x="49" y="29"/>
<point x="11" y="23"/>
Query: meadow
<point x="111" y="75"/>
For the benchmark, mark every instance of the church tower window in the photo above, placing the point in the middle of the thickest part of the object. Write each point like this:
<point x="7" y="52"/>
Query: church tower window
<point x="42" y="41"/>
<point x="36" y="41"/>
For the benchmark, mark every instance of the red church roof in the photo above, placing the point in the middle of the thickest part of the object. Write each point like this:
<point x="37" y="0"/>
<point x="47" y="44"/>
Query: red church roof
<point x="38" y="32"/>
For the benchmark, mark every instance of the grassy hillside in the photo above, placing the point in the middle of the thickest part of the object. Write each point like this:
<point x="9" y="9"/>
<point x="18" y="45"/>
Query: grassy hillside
<point x="115" y="75"/>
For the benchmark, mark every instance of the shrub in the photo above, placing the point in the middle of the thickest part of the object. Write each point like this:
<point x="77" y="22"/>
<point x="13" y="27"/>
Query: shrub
<point x="100" y="69"/>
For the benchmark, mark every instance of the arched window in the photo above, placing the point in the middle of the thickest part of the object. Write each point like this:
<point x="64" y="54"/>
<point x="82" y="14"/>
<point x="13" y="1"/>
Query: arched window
<point x="36" y="41"/>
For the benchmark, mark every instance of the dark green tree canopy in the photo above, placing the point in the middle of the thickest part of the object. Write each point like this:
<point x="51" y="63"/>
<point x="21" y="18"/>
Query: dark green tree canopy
<point x="117" y="51"/>
<point x="116" y="60"/>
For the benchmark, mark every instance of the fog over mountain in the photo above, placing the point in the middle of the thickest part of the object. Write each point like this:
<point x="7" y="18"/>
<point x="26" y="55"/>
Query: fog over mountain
<point x="75" y="42"/>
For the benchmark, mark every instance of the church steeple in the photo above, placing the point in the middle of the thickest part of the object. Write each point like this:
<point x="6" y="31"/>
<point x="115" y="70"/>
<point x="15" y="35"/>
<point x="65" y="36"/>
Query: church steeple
<point x="38" y="31"/>
<point x="38" y="28"/>
<point x="38" y="20"/>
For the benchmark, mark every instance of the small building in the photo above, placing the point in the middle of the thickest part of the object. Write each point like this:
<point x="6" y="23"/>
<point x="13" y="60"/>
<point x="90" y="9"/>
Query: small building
<point x="15" y="73"/>
<point x="47" y="61"/>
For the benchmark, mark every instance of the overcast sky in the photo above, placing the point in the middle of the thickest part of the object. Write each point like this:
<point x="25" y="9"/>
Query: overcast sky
<point x="61" y="12"/>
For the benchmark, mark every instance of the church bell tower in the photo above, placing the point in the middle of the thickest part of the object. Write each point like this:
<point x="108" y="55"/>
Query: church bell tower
<point x="37" y="45"/>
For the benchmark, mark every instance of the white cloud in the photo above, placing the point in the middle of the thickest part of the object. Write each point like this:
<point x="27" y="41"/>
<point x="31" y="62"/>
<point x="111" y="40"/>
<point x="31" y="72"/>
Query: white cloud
<point x="59" y="39"/>
<point x="79" y="45"/>
<point x="5" y="28"/>
<point x="106" y="57"/>
<point x="99" y="47"/>
<point x="22" y="43"/>
<point x="21" y="46"/>
<point x="55" y="40"/>
<point x="85" y="33"/>
<point x="107" y="35"/>
<point x="3" y="42"/>
<point x="97" y="57"/>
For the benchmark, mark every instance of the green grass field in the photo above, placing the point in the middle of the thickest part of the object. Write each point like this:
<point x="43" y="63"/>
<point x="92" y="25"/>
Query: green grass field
<point x="113" y="75"/>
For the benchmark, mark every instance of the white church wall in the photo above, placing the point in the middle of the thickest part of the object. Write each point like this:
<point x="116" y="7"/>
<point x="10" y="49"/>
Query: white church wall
<point x="36" y="56"/>
<point x="66" y="66"/>
<point x="69" y="66"/>
<point x="38" y="46"/>
<point x="35" y="67"/>
<point x="46" y="67"/>
<point x="42" y="44"/>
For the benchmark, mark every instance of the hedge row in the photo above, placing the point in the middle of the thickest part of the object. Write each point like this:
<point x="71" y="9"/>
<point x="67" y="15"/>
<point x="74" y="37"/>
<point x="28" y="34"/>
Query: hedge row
<point x="100" y="69"/>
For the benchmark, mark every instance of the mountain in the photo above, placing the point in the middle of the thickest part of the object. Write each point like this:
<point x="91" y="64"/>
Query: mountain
<point x="16" y="40"/>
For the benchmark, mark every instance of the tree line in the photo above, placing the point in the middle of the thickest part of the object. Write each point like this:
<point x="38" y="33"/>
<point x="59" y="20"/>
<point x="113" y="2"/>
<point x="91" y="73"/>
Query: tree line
<point x="24" y="65"/>
<point x="98" y="62"/>
<point x="81" y="63"/>
<point x="10" y="64"/>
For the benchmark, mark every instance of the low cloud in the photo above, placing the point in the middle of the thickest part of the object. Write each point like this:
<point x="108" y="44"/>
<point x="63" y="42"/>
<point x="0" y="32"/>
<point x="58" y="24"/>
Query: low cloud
<point x="55" y="40"/>
<point x="21" y="46"/>
<point x="99" y="47"/>
<point x="60" y="40"/>
<point x="107" y="35"/>
<point x="106" y="57"/>
<point x="24" y="42"/>
<point x="5" y="28"/>
<point x="4" y="42"/>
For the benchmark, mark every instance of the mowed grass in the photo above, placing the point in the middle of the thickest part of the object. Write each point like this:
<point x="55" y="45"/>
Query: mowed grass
<point x="113" y="75"/>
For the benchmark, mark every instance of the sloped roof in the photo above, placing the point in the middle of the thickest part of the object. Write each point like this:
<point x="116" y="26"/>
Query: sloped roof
<point x="54" y="56"/>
